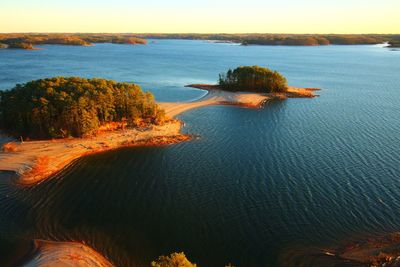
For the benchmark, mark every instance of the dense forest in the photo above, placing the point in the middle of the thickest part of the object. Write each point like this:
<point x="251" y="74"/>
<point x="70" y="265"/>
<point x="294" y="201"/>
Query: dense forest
<point x="74" y="107"/>
<point x="27" y="41"/>
<point x="253" y="79"/>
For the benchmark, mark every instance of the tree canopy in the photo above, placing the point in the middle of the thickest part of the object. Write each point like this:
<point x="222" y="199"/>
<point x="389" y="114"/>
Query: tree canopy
<point x="62" y="107"/>
<point x="173" y="260"/>
<point x="253" y="79"/>
<point x="27" y="41"/>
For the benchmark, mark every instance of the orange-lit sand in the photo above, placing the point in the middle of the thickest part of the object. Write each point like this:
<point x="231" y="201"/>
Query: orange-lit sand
<point x="65" y="254"/>
<point x="216" y="96"/>
<point x="37" y="160"/>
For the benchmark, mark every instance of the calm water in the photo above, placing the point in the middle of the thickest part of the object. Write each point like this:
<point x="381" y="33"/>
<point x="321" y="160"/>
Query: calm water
<point x="269" y="187"/>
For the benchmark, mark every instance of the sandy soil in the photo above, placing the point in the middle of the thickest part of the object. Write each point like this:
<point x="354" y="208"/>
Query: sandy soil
<point x="216" y="96"/>
<point x="65" y="254"/>
<point x="37" y="160"/>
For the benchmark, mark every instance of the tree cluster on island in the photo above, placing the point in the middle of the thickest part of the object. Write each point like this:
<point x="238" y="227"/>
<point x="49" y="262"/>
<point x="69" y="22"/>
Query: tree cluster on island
<point x="253" y="79"/>
<point x="74" y="107"/>
<point x="176" y="260"/>
<point x="27" y="41"/>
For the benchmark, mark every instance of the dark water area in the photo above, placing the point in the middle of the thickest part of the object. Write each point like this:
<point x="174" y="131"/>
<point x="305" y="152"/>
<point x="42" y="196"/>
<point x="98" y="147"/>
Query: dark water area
<point x="271" y="187"/>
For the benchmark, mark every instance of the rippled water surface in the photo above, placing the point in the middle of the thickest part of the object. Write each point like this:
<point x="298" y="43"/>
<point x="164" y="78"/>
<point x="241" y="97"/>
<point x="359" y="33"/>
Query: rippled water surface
<point x="269" y="187"/>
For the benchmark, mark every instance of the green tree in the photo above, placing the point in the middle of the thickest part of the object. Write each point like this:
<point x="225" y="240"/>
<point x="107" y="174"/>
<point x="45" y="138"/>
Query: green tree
<point x="61" y="107"/>
<point x="173" y="260"/>
<point x="254" y="79"/>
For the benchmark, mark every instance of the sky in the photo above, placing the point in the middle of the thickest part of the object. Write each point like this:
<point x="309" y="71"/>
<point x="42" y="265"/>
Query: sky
<point x="205" y="16"/>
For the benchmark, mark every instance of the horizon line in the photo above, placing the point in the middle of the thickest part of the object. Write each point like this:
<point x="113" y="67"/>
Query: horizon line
<point x="198" y="33"/>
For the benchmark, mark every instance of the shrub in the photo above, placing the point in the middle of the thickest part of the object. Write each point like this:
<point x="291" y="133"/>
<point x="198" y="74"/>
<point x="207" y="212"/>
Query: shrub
<point x="173" y="260"/>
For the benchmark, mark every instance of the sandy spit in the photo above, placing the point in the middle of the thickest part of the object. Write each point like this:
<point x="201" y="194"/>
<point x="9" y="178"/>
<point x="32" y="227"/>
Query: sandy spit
<point x="216" y="96"/>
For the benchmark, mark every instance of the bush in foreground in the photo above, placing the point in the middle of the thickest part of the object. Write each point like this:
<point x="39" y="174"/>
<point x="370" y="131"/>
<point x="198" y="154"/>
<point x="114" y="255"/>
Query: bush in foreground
<point x="173" y="260"/>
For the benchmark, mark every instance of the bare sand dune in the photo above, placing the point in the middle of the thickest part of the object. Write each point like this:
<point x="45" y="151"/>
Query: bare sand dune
<point x="65" y="254"/>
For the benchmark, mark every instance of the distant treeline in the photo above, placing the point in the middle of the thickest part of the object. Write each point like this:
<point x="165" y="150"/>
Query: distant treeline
<point x="27" y="41"/>
<point x="283" y="39"/>
<point x="394" y="43"/>
<point x="62" y="107"/>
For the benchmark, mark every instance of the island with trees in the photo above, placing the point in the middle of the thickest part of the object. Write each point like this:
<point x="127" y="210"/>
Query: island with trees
<point x="28" y="41"/>
<point x="245" y="86"/>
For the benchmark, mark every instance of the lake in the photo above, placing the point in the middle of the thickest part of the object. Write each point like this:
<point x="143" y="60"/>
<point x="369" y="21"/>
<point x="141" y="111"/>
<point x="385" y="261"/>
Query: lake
<point x="270" y="187"/>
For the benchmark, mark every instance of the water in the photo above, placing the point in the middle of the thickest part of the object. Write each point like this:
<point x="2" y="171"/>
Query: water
<point x="269" y="187"/>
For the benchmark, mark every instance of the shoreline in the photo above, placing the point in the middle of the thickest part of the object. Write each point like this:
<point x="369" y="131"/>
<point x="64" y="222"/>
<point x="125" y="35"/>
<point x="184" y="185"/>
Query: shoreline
<point x="35" y="161"/>
<point x="51" y="253"/>
<point x="216" y="97"/>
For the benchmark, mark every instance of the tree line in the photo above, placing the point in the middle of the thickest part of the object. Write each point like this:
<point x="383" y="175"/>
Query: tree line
<point x="74" y="107"/>
<point x="27" y="41"/>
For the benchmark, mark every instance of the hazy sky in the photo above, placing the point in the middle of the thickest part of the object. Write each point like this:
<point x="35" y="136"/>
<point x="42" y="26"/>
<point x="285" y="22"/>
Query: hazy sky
<point x="205" y="16"/>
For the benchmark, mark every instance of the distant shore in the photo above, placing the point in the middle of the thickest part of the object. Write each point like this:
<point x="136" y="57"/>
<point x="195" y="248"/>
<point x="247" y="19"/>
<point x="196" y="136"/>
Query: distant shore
<point x="35" y="161"/>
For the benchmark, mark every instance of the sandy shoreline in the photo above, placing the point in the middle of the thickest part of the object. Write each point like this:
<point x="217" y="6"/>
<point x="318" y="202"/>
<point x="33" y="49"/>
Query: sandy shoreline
<point x="216" y="96"/>
<point x="35" y="161"/>
<point x="48" y="253"/>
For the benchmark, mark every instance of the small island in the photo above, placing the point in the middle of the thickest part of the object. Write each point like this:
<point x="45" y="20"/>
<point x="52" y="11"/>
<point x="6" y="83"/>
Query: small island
<point x="246" y="86"/>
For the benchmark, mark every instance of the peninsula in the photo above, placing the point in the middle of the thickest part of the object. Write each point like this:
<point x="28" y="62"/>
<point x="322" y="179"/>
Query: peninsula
<point x="67" y="118"/>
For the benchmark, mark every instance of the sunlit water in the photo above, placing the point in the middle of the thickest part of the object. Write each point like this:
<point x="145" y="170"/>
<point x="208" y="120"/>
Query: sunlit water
<point x="269" y="187"/>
